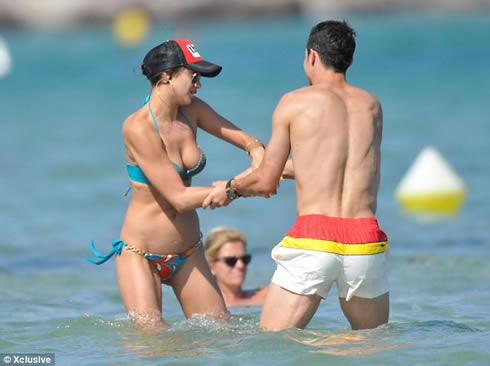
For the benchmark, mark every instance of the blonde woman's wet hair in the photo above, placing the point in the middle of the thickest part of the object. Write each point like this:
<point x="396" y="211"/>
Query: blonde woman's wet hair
<point x="218" y="237"/>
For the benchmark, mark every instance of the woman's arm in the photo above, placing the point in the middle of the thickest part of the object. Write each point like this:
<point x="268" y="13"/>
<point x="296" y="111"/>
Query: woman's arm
<point x="264" y="180"/>
<point x="212" y="122"/>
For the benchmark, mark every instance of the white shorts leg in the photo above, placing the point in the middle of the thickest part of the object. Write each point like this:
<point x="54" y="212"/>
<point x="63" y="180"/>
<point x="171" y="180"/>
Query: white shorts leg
<point x="305" y="272"/>
<point x="364" y="276"/>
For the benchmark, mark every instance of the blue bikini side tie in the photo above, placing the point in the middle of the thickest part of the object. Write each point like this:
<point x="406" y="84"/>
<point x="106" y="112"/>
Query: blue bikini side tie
<point x="117" y="246"/>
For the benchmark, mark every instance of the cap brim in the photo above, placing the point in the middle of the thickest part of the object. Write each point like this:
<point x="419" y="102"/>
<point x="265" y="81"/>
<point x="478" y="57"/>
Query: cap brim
<point x="205" y="68"/>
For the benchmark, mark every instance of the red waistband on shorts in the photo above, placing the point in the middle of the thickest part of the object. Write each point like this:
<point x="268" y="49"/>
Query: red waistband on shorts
<point x="338" y="229"/>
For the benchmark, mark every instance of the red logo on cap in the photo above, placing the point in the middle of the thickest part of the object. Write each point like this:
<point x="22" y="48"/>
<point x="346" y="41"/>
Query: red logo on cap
<point x="190" y="51"/>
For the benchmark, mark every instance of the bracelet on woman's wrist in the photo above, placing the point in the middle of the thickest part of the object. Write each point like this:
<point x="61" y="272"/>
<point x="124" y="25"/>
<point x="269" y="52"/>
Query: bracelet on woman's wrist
<point x="252" y="143"/>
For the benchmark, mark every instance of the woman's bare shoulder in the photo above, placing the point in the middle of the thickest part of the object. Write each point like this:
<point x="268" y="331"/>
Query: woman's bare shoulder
<point x="134" y="126"/>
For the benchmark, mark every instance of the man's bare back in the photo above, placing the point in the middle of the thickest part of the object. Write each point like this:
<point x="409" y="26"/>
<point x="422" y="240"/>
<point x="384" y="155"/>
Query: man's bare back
<point x="335" y="134"/>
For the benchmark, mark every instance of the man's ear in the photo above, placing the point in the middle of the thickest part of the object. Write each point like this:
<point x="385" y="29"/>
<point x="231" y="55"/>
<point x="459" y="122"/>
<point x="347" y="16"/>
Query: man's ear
<point x="315" y="57"/>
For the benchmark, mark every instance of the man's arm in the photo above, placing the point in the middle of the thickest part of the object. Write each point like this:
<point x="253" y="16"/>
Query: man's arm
<point x="288" y="172"/>
<point x="264" y="180"/>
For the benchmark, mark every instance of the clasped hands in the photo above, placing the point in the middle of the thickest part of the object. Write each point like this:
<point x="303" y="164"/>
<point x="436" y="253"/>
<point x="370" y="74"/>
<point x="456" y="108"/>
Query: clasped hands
<point x="217" y="197"/>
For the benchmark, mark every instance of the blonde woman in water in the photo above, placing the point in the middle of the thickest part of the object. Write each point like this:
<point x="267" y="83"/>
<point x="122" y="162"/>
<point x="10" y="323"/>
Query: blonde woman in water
<point x="226" y="252"/>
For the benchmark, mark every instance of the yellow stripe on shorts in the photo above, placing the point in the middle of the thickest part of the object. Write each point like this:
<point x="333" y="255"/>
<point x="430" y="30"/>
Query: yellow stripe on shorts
<point x="334" y="247"/>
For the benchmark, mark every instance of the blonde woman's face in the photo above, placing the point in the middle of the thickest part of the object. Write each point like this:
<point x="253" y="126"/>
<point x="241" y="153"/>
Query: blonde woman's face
<point x="226" y="274"/>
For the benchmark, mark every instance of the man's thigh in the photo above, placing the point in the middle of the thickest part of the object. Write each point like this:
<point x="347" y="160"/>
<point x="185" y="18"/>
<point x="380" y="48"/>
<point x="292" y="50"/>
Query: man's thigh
<point x="364" y="313"/>
<point x="285" y="309"/>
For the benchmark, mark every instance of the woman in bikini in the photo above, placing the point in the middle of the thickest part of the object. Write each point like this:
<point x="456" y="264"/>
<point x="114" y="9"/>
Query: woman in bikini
<point x="160" y="239"/>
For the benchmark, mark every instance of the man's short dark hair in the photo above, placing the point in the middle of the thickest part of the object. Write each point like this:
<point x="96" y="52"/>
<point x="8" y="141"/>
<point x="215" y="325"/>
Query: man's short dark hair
<point x="335" y="43"/>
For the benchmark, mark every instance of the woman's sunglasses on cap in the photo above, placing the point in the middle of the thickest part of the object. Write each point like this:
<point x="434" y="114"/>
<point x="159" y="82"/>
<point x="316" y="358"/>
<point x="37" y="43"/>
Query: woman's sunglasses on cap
<point x="231" y="261"/>
<point x="195" y="77"/>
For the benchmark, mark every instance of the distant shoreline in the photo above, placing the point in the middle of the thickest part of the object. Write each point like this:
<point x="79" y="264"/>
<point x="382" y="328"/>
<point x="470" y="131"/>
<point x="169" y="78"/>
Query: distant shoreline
<point x="55" y="14"/>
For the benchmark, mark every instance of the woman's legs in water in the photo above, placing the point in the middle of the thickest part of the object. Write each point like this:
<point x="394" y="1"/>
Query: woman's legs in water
<point x="141" y="290"/>
<point x="196" y="289"/>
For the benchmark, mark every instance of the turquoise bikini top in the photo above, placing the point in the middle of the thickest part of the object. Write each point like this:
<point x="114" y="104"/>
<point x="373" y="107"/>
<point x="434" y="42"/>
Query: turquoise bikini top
<point x="137" y="175"/>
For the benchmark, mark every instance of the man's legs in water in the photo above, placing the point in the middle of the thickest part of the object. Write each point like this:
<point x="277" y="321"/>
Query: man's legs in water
<point x="364" y="313"/>
<point x="284" y="309"/>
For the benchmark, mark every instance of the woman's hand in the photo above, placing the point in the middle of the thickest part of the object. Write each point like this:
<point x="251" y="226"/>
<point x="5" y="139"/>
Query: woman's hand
<point x="256" y="153"/>
<point x="217" y="197"/>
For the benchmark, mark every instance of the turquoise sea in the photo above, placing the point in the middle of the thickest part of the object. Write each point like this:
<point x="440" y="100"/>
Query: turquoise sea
<point x="63" y="177"/>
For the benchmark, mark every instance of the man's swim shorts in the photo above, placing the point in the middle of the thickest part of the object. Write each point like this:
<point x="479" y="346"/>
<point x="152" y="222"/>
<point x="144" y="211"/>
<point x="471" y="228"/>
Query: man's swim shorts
<point x="320" y="250"/>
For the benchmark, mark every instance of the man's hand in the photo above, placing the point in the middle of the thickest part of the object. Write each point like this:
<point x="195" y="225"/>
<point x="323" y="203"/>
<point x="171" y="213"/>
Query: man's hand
<point x="217" y="197"/>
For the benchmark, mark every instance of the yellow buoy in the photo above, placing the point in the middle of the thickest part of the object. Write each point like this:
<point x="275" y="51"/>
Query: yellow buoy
<point x="131" y="26"/>
<point x="431" y="185"/>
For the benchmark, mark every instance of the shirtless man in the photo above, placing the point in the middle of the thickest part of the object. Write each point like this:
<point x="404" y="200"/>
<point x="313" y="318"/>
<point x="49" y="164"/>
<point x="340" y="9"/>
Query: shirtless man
<point x="333" y="131"/>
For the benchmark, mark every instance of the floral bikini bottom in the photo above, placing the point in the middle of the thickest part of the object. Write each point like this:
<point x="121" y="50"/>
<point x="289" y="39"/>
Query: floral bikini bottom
<point x="166" y="264"/>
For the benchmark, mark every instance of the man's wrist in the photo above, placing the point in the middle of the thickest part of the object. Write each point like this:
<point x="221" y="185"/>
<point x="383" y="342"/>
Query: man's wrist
<point x="231" y="192"/>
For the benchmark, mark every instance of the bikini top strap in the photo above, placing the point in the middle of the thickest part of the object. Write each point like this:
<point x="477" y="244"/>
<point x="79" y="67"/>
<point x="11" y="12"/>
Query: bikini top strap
<point x="152" y="115"/>
<point x="147" y="101"/>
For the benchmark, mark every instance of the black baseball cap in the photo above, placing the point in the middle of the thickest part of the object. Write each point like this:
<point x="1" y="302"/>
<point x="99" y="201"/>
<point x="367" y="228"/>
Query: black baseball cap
<point x="176" y="53"/>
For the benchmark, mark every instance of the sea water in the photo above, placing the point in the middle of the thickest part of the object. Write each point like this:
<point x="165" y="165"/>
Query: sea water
<point x="63" y="177"/>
